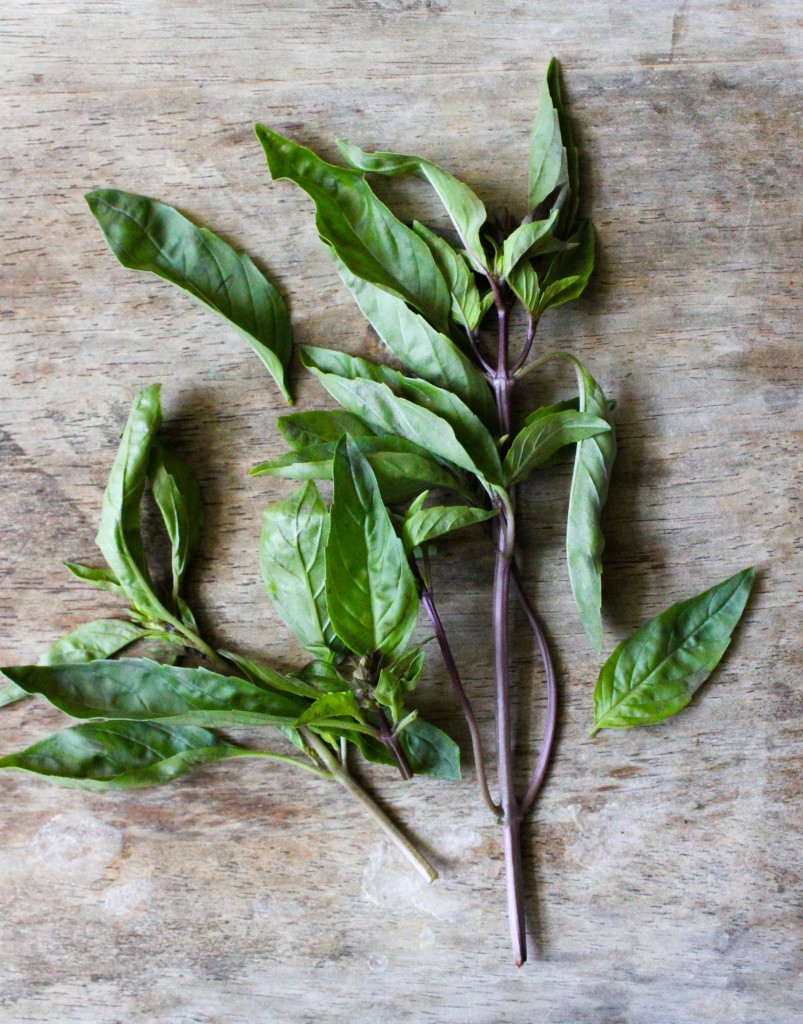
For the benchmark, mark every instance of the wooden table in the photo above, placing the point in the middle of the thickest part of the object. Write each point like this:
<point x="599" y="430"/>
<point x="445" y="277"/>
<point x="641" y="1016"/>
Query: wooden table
<point x="663" y="864"/>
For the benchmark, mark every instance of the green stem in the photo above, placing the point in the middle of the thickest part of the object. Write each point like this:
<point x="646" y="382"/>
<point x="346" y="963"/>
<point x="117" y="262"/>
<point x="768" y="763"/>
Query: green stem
<point x="396" y="836"/>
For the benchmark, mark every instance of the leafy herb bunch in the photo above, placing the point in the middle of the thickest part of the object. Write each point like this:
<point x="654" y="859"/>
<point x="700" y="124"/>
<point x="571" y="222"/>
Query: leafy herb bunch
<point x="413" y="454"/>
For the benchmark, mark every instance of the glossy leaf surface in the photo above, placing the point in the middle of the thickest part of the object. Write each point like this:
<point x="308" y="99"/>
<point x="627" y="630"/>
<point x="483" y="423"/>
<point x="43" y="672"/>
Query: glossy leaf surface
<point x="656" y="671"/>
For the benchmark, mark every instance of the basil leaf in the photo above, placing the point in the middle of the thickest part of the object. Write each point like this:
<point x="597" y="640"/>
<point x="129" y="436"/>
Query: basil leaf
<point x="420" y="347"/>
<point x="370" y="240"/>
<point x="178" y="495"/>
<point x="428" y="523"/>
<point x="300" y="429"/>
<point x="147" y="235"/>
<point x="568" y="272"/>
<point x="323" y="676"/>
<point x="267" y="679"/>
<point x="119" y="537"/>
<point x="121" y="755"/>
<point x="292" y="559"/>
<point x="402" y="469"/>
<point x="524" y="281"/>
<point x="443" y="424"/>
<point x="542" y="437"/>
<point x="329" y="706"/>
<point x="593" y="462"/>
<point x="466" y="307"/>
<point x="466" y="210"/>
<point x="530" y="239"/>
<point x="548" y="166"/>
<point x="430" y="751"/>
<point x="397" y="681"/>
<point x="140" y="689"/>
<point x="92" y="640"/>
<point x="656" y="671"/>
<point x="370" y="590"/>
<point x="569" y="205"/>
<point x="102" y="578"/>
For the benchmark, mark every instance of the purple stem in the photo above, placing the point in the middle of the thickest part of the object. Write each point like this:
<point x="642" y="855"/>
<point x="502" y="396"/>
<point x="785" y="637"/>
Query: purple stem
<point x="548" y="739"/>
<point x="528" y="344"/>
<point x="428" y="602"/>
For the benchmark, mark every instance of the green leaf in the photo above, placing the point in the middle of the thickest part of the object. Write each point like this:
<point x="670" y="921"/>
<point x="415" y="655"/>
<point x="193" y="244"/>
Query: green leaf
<point x="428" y="523"/>
<point x="292" y="558"/>
<point x="396" y="682"/>
<point x="178" y="495"/>
<point x="530" y="239"/>
<point x="92" y="640"/>
<point x="102" y="578"/>
<point x="323" y="676"/>
<point x="414" y="409"/>
<point x="542" y="437"/>
<point x="330" y="360"/>
<point x="139" y="689"/>
<point x="466" y="307"/>
<point x="524" y="281"/>
<point x="119" y="537"/>
<point x="300" y="429"/>
<point x="370" y="240"/>
<point x="656" y="671"/>
<point x="569" y="210"/>
<point x="466" y="210"/>
<point x="145" y="234"/>
<point x="402" y="469"/>
<point x="268" y="679"/>
<point x="593" y="462"/>
<point x="430" y="751"/>
<point x="122" y="755"/>
<point x="549" y="168"/>
<point x="420" y="347"/>
<point x="370" y="590"/>
<point x="568" y="272"/>
<point x="332" y="705"/>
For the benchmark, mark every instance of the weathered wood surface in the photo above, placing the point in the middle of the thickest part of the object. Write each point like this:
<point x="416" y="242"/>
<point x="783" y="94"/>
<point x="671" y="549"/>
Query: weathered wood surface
<point x="663" y="864"/>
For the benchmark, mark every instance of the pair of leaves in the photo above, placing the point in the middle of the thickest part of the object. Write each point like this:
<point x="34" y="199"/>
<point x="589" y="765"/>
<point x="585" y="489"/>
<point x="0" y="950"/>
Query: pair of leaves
<point x="147" y="235"/>
<point x="656" y="671"/>
<point x="409" y="408"/>
<point x="426" y="351"/>
<point x="366" y="236"/>
<point x="543" y="436"/>
<point x="564" y="274"/>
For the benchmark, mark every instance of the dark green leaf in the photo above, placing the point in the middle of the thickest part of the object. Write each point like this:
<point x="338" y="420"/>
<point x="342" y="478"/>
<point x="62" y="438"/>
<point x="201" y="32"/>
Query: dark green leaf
<point x="323" y="676"/>
<point x="568" y="272"/>
<point x="428" y="523"/>
<point x="430" y="751"/>
<point x="145" y="234"/>
<point x="593" y="462"/>
<point x="292" y="558"/>
<point x="655" y="673"/>
<point x="178" y="495"/>
<point x="370" y="240"/>
<point x="370" y="590"/>
<point x="465" y="209"/>
<point x="301" y="429"/>
<point x="121" y="755"/>
<point x="138" y="689"/>
<point x="542" y="437"/>
<point x="466" y="303"/>
<point x="569" y="208"/>
<point x="420" y="347"/>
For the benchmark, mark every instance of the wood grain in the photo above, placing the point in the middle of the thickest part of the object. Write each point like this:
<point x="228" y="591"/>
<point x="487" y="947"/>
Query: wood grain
<point x="663" y="864"/>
